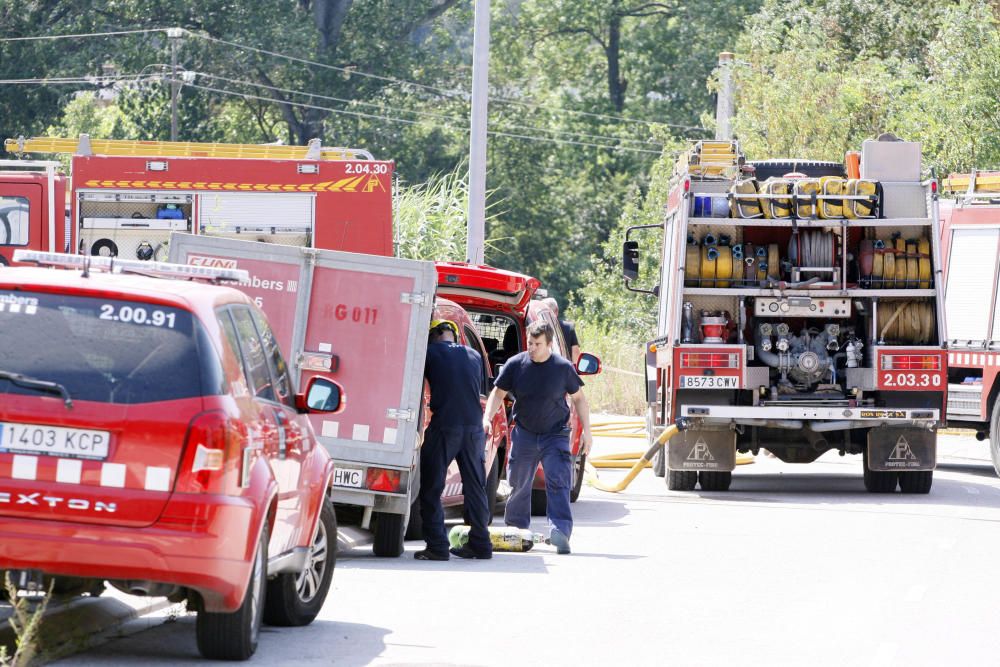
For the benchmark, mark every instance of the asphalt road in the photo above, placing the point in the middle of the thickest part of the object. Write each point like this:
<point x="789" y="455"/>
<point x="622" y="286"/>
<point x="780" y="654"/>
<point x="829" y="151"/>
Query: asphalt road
<point x="793" y="566"/>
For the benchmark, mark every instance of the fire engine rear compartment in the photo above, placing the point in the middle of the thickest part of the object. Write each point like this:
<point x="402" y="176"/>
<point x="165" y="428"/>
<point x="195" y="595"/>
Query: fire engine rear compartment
<point x="798" y="335"/>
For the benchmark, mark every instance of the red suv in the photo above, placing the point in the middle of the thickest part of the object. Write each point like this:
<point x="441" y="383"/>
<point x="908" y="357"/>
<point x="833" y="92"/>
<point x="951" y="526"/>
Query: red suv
<point x="500" y="306"/>
<point x="150" y="435"/>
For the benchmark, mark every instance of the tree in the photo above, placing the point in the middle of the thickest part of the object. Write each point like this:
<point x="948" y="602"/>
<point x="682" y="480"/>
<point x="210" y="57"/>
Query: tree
<point x="955" y="112"/>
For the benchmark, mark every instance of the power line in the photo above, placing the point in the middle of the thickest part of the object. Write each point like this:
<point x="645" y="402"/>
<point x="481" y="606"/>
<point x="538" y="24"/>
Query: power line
<point x="435" y="89"/>
<point x="357" y="72"/>
<point x="414" y="122"/>
<point x="93" y="80"/>
<point x="426" y="114"/>
<point x="79" y="35"/>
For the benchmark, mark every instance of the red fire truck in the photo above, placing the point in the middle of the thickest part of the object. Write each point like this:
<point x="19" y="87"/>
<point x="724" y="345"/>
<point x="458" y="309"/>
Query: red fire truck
<point x="32" y="198"/>
<point x="799" y="310"/>
<point x="127" y="197"/>
<point x="971" y="251"/>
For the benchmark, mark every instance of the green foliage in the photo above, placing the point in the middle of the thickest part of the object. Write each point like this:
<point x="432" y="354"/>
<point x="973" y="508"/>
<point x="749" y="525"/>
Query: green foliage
<point x="26" y="621"/>
<point x="955" y="112"/>
<point x="619" y="388"/>
<point x="604" y="301"/>
<point x="431" y="217"/>
<point x="818" y="77"/>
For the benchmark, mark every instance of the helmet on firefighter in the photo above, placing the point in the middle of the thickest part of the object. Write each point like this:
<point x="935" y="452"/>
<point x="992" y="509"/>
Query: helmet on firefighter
<point x="440" y="326"/>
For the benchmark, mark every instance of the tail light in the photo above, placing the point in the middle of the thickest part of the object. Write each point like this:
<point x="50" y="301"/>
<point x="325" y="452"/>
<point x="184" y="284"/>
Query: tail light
<point x="380" y="479"/>
<point x="710" y="360"/>
<point x="210" y="458"/>
<point x="911" y="362"/>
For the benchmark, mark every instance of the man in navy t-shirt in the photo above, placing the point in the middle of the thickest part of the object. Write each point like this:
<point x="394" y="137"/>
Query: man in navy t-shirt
<point x="539" y="382"/>
<point x="455" y="375"/>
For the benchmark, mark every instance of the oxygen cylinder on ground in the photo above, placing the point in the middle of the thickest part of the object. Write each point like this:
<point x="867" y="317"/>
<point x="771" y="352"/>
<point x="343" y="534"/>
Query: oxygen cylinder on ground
<point x="503" y="538"/>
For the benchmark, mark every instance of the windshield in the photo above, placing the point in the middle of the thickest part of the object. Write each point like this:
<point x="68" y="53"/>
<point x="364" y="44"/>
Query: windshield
<point x="105" y="350"/>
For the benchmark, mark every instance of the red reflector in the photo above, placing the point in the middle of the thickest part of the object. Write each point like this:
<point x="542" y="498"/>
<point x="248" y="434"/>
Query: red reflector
<point x="911" y="362"/>
<point x="934" y="187"/>
<point x="383" y="480"/>
<point x="687" y="185"/>
<point x="710" y="360"/>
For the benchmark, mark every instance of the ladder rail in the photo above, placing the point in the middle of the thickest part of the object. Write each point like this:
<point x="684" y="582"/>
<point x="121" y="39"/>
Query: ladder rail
<point x="84" y="145"/>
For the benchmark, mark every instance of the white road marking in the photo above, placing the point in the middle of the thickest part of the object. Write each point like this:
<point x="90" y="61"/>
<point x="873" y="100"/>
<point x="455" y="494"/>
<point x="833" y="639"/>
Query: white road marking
<point x="971" y="490"/>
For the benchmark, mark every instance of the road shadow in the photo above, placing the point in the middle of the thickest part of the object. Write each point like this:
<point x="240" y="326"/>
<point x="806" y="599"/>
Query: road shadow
<point x="173" y="643"/>
<point x="980" y="470"/>
<point x="823" y="488"/>
<point x="526" y="562"/>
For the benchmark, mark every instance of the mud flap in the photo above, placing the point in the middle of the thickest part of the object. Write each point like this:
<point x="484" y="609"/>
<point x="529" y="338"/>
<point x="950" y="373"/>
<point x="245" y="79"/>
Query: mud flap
<point x="702" y="450"/>
<point x="896" y="449"/>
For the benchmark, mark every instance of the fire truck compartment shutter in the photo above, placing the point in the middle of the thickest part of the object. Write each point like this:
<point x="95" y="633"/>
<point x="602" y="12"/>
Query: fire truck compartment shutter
<point x="255" y="212"/>
<point x="968" y="290"/>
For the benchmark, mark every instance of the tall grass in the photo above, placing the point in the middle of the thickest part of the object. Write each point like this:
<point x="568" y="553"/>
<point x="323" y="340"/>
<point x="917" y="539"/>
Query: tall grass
<point x="620" y="387"/>
<point x="431" y="218"/>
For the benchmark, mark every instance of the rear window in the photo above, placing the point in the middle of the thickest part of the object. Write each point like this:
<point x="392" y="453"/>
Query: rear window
<point x="105" y="350"/>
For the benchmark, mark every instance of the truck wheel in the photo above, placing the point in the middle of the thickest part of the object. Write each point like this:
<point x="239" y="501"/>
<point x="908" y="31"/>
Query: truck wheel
<point x="492" y="484"/>
<point x="389" y="532"/>
<point x="682" y="480"/>
<point x="995" y="436"/>
<point x="579" y="470"/>
<point x="916" y="481"/>
<point x="715" y="480"/>
<point x="294" y="599"/>
<point x="414" y="525"/>
<point x="539" y="502"/>
<point x="223" y="636"/>
<point x="878" y="481"/>
<point x="660" y="462"/>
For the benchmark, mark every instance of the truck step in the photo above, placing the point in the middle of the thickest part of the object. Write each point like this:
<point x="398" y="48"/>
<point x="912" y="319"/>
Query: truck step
<point x="964" y="400"/>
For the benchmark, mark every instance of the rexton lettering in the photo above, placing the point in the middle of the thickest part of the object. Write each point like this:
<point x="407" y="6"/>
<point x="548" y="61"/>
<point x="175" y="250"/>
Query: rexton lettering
<point x="38" y="500"/>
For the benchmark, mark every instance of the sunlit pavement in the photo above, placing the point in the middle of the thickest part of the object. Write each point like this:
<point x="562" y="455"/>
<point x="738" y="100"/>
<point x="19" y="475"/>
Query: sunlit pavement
<point x="793" y="566"/>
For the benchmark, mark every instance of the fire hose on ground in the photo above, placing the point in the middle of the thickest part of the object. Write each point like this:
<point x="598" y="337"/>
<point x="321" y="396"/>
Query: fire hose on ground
<point x="634" y="461"/>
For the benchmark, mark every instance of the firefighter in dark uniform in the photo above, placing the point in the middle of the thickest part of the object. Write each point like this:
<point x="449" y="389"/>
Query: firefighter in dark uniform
<point x="455" y="375"/>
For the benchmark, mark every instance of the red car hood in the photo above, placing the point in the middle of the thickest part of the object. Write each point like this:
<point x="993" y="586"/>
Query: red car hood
<point x="484" y="287"/>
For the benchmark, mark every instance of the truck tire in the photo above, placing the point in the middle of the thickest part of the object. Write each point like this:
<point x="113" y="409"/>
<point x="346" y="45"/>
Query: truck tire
<point x="765" y="169"/>
<point x="414" y="525"/>
<point x="579" y="471"/>
<point x="660" y="462"/>
<point x="389" y="532"/>
<point x="995" y="436"/>
<point x="916" y="481"/>
<point x="225" y="636"/>
<point x="715" y="480"/>
<point x="295" y="599"/>
<point x="682" y="480"/>
<point x="879" y="481"/>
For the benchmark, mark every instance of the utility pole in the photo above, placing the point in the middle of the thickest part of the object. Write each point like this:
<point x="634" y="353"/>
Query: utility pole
<point x="725" y="105"/>
<point x="174" y="35"/>
<point x="477" y="135"/>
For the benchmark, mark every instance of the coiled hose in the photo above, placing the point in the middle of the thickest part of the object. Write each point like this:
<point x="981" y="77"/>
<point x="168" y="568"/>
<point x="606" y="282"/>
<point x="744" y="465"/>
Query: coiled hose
<point x="907" y="322"/>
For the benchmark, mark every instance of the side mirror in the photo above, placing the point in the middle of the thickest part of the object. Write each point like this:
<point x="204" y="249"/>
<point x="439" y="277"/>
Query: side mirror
<point x="630" y="260"/>
<point x="588" y="364"/>
<point x="321" y="395"/>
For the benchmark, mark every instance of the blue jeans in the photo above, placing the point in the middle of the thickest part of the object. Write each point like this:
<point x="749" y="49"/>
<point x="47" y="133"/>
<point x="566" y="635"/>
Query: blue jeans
<point x="442" y="446"/>
<point x="552" y="450"/>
